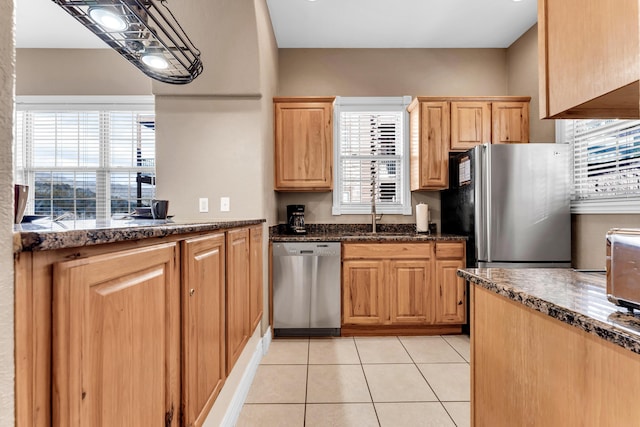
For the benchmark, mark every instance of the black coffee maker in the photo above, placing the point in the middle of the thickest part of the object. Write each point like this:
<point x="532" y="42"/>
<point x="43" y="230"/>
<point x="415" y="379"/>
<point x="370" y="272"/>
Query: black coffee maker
<point x="295" y="219"/>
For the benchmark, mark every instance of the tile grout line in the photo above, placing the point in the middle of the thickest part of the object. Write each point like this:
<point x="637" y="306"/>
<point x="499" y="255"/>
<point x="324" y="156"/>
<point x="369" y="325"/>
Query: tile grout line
<point x="427" y="381"/>
<point x="306" y="389"/>
<point x="375" y="411"/>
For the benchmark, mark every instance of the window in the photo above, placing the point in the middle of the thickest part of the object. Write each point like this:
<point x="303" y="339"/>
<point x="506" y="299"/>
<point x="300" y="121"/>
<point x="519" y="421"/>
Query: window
<point x="85" y="160"/>
<point x="606" y="164"/>
<point x="371" y="156"/>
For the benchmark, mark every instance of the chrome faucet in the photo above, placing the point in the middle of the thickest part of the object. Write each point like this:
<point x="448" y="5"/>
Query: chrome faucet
<point x="374" y="217"/>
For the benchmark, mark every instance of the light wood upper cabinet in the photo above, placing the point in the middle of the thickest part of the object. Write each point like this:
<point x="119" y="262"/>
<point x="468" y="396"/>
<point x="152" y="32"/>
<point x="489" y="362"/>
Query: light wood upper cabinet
<point x="439" y="125"/>
<point x="203" y="325"/>
<point x="255" y="297"/>
<point x="470" y="124"/>
<point x="237" y="294"/>
<point x="429" y="124"/>
<point x="510" y="122"/>
<point x="116" y="339"/>
<point x="588" y="59"/>
<point x="303" y="144"/>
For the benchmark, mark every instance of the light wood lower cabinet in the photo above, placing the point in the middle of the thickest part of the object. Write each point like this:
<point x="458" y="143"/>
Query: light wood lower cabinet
<point x="237" y="294"/>
<point x="203" y="325"/>
<point x="450" y="290"/>
<point x="528" y="369"/>
<point x="256" y="303"/>
<point x="410" y="288"/>
<point x="364" y="298"/>
<point x="116" y="320"/>
<point x="133" y="333"/>
<point x="403" y="284"/>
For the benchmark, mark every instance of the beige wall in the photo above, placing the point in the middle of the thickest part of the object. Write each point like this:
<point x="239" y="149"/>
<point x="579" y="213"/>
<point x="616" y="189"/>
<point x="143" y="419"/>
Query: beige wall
<point x="522" y="80"/>
<point x="385" y="72"/>
<point x="589" y="248"/>
<point x="77" y="72"/>
<point x="225" y="32"/>
<point x="392" y="72"/>
<point x="7" y="85"/>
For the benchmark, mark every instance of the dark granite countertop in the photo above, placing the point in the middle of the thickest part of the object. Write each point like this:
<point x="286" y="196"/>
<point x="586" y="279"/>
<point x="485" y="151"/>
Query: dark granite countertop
<point x="576" y="298"/>
<point x="45" y="235"/>
<point x="388" y="233"/>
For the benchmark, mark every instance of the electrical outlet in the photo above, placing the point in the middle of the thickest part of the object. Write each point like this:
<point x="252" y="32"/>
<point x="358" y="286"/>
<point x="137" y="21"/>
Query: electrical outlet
<point x="204" y="204"/>
<point x="225" y="204"/>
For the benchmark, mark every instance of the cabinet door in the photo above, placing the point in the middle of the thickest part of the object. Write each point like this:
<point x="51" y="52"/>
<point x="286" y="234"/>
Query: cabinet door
<point x="256" y="301"/>
<point x="116" y="337"/>
<point x="450" y="293"/>
<point x="363" y="299"/>
<point x="470" y="124"/>
<point x="588" y="59"/>
<point x="203" y="325"/>
<point x="237" y="294"/>
<point x="410" y="292"/>
<point x="429" y="124"/>
<point x="303" y="146"/>
<point x="510" y="122"/>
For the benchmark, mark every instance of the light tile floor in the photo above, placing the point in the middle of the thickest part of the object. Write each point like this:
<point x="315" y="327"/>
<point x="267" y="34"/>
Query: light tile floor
<point x="344" y="382"/>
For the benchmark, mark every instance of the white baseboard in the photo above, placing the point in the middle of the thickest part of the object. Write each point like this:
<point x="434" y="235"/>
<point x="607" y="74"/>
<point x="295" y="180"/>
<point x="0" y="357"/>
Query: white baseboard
<point x="266" y="340"/>
<point x="233" y="411"/>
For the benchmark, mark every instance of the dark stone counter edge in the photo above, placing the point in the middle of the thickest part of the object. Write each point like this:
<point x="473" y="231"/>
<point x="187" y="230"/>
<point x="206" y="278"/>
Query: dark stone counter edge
<point x="32" y="241"/>
<point x="382" y="237"/>
<point x="592" y="326"/>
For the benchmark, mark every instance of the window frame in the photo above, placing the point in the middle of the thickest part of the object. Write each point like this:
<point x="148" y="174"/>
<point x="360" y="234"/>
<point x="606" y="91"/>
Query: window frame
<point x="613" y="205"/>
<point x="345" y="104"/>
<point x="104" y="105"/>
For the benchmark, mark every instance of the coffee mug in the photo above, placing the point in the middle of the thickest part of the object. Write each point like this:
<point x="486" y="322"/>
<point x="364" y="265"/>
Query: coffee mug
<point x="21" y="194"/>
<point x="159" y="209"/>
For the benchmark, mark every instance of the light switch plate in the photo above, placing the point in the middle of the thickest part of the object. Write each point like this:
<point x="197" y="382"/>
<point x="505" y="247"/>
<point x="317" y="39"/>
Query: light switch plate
<point x="204" y="204"/>
<point x="225" y="204"/>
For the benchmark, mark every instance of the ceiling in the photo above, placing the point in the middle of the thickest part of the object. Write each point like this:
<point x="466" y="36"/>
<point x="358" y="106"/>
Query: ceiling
<point x="330" y="24"/>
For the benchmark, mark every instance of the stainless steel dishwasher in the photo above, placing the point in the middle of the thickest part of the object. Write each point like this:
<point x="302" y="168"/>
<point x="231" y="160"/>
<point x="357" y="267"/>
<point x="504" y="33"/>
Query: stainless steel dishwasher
<point x="306" y="289"/>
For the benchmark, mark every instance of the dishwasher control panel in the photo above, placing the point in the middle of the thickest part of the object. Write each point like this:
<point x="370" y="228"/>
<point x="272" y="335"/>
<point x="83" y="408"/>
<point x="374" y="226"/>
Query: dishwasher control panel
<point x="306" y="249"/>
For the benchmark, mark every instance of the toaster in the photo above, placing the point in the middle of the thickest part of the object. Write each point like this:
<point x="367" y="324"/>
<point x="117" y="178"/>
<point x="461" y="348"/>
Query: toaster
<point x="623" y="267"/>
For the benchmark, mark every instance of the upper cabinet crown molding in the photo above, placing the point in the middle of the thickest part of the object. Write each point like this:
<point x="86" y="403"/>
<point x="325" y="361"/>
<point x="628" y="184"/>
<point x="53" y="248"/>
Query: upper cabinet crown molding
<point x="588" y="59"/>
<point x="303" y="143"/>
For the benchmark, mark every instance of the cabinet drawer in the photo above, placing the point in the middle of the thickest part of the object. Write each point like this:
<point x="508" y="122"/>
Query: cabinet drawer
<point x="386" y="250"/>
<point x="450" y="250"/>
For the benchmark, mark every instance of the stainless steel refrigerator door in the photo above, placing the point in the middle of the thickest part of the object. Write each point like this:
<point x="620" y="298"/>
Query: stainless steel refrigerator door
<point x="292" y="292"/>
<point x="528" y="215"/>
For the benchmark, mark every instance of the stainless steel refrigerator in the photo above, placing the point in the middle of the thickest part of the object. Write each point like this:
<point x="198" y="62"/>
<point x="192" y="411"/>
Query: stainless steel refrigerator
<point x="512" y="201"/>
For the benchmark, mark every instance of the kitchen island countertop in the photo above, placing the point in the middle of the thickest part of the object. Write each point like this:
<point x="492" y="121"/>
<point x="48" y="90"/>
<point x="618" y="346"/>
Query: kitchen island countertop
<point x="576" y="298"/>
<point x="48" y="235"/>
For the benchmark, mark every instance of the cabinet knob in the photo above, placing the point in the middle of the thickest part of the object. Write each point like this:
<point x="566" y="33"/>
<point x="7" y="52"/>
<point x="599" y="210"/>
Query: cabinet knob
<point x="191" y="292"/>
<point x="459" y="302"/>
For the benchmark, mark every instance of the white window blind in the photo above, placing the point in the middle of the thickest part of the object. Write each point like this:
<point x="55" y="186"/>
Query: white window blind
<point x="606" y="165"/>
<point x="83" y="163"/>
<point x="371" y="157"/>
